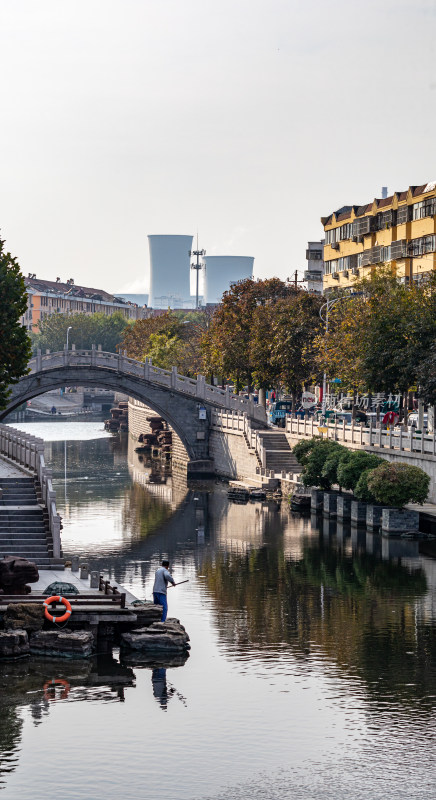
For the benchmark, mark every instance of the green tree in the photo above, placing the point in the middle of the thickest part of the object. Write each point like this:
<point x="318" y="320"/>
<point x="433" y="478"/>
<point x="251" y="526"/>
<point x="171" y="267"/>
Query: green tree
<point x="15" y="347"/>
<point x="86" y="330"/>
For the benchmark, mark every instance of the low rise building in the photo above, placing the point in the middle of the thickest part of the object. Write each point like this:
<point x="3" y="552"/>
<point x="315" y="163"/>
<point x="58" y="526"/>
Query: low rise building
<point x="313" y="275"/>
<point x="55" y="297"/>
<point x="399" y="231"/>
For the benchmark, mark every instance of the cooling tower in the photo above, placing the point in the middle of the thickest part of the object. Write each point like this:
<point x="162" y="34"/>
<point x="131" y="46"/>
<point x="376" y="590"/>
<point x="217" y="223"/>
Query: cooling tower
<point x="169" y="271"/>
<point x="221" y="271"/>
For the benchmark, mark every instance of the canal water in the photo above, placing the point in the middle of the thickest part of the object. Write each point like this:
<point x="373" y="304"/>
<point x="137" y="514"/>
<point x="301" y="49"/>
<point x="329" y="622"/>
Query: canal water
<point x="312" y="672"/>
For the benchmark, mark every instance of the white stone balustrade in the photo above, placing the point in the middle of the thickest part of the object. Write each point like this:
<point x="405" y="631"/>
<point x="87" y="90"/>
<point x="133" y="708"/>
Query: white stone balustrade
<point x="147" y="371"/>
<point x="359" y="436"/>
<point x="28" y="452"/>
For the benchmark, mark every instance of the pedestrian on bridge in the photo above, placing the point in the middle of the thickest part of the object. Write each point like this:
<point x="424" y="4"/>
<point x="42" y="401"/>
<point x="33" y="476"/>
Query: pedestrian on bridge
<point x="162" y="578"/>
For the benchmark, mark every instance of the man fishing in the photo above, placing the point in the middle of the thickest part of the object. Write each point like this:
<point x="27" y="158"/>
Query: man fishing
<point x="161" y="580"/>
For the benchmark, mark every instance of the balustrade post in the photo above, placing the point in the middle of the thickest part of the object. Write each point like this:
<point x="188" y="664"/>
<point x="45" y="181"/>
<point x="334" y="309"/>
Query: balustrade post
<point x="400" y="439"/>
<point x="38" y="360"/>
<point x="173" y="377"/>
<point x="146" y="370"/>
<point x="200" y="386"/>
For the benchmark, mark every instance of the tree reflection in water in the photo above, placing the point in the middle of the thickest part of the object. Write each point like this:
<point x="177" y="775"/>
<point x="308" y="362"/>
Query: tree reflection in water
<point x="327" y="602"/>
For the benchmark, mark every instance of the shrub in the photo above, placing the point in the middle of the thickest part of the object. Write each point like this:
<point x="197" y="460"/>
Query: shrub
<point x="303" y="448"/>
<point x="312" y="471"/>
<point x="350" y="469"/>
<point x="337" y="457"/>
<point x="361" y="491"/>
<point x="398" y="484"/>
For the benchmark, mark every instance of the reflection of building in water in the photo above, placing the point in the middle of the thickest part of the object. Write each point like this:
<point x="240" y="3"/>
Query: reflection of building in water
<point x="238" y="527"/>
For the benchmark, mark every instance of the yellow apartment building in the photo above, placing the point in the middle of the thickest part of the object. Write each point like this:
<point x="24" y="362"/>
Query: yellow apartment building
<point x="55" y="297"/>
<point x="399" y="230"/>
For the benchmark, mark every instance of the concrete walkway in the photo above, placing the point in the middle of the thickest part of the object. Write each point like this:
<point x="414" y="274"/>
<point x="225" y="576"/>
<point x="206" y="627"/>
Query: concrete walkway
<point x="8" y="470"/>
<point x="426" y="508"/>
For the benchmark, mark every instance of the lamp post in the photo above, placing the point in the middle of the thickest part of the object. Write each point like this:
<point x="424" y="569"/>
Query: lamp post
<point x="327" y="306"/>
<point x="68" y="330"/>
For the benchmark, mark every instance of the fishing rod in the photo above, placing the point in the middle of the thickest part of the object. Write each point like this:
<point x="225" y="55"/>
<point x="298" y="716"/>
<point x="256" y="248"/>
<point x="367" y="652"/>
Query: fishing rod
<point x="179" y="582"/>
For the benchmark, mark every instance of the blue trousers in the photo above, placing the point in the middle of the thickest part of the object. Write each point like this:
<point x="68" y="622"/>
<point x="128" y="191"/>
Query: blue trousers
<point x="161" y="600"/>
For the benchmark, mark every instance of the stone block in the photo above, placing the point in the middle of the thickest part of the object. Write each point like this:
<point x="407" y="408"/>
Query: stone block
<point x="62" y="644"/>
<point x="169" y="636"/>
<point x="25" y="616"/>
<point x="398" y="520"/>
<point x="343" y="508"/>
<point x="14" y="644"/>
<point x="95" y="580"/>
<point x="147" y="613"/>
<point x="316" y="499"/>
<point x="358" y="512"/>
<point x="330" y="503"/>
<point x="373" y="516"/>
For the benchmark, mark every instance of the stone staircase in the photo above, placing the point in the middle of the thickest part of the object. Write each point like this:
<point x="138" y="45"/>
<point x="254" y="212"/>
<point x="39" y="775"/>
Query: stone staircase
<point x="24" y="529"/>
<point x="279" y="456"/>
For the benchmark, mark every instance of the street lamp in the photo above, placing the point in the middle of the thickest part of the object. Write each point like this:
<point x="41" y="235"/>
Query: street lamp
<point x="327" y="306"/>
<point x="68" y="330"/>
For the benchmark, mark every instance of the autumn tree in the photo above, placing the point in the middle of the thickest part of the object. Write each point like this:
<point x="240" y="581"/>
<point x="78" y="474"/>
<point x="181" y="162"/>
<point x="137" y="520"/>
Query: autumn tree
<point x="380" y="335"/>
<point x="227" y="349"/>
<point x="15" y="347"/>
<point x="171" y="340"/>
<point x="339" y="351"/>
<point x="295" y="326"/>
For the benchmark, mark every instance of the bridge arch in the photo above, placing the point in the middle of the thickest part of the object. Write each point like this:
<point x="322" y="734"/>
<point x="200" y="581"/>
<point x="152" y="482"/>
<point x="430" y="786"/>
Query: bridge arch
<point x="180" y="411"/>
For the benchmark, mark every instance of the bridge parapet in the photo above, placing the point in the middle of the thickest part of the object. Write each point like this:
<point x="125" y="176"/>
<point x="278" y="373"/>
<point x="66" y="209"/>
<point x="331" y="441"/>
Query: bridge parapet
<point x="28" y="452"/>
<point x="170" y="379"/>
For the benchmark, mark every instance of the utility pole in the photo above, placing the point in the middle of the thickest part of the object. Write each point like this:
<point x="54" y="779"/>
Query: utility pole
<point x="197" y="266"/>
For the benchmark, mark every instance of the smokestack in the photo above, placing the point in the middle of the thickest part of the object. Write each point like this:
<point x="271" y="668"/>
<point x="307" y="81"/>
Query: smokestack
<point x="384" y="192"/>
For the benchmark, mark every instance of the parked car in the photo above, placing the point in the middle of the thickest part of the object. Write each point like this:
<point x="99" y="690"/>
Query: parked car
<point x="278" y="411"/>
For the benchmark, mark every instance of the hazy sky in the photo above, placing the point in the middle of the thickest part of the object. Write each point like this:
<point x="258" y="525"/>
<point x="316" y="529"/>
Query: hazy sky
<point x="244" y="119"/>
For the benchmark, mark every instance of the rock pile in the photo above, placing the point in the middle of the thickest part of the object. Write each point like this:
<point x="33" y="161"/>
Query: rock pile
<point x="62" y="644"/>
<point x="14" y="644"/>
<point x="159" y="637"/>
<point x="28" y="616"/>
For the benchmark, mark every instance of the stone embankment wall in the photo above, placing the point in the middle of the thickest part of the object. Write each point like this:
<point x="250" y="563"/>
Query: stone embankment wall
<point x="231" y="455"/>
<point x="138" y="423"/>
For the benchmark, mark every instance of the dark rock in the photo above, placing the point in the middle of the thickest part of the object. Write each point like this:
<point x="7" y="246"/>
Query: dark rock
<point x="169" y="637"/>
<point x="28" y="616"/>
<point x="62" y="644"/>
<point x="15" y="572"/>
<point x="147" y="614"/>
<point x="14" y="644"/>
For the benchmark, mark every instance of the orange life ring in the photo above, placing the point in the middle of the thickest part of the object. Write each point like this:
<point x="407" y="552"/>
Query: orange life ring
<point x="52" y="685"/>
<point x="57" y="599"/>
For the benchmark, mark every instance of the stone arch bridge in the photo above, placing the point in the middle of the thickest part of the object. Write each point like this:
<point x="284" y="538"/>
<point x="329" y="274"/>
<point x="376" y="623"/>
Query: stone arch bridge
<point x="178" y="399"/>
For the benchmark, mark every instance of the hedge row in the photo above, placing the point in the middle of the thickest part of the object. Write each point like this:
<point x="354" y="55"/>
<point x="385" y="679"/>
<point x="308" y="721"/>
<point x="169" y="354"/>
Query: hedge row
<point x="372" y="479"/>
